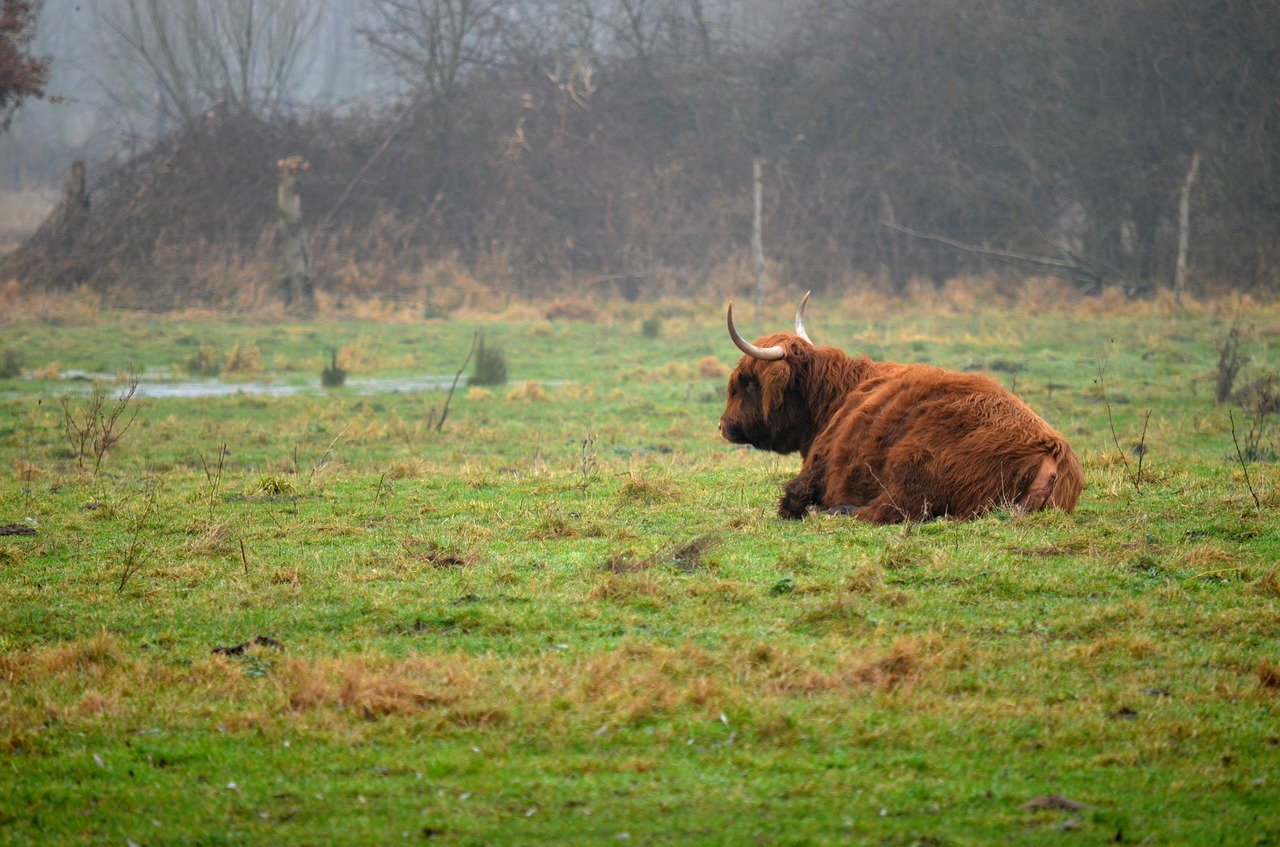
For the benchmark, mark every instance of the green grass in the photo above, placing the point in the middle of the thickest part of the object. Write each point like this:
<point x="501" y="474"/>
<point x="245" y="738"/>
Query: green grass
<point x="570" y="616"/>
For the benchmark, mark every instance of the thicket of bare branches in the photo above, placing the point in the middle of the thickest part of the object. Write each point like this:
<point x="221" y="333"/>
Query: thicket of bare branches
<point x="546" y="151"/>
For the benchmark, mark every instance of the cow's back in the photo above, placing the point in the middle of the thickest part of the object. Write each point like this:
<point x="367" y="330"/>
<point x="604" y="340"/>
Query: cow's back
<point x="914" y="441"/>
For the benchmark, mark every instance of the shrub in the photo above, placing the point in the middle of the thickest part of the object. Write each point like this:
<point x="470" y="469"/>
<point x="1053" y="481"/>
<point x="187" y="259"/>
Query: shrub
<point x="491" y="366"/>
<point x="245" y="360"/>
<point x="711" y="367"/>
<point x="10" y="363"/>
<point x="333" y="376"/>
<point x="203" y="362"/>
<point x="274" y="485"/>
<point x="1228" y="365"/>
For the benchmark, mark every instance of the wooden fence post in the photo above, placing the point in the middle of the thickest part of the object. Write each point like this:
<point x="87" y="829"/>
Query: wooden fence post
<point x="757" y="232"/>
<point x="76" y="209"/>
<point x="1184" y="227"/>
<point x="297" y="286"/>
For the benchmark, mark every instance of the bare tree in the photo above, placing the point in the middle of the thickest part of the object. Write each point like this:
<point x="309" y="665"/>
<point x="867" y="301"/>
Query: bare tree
<point x="644" y="30"/>
<point x="432" y="44"/>
<point x="191" y="54"/>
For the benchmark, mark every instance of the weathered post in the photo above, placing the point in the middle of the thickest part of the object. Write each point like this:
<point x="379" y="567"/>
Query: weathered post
<point x="1184" y="227"/>
<point x="76" y="206"/>
<point x="297" y="287"/>
<point x="757" y="232"/>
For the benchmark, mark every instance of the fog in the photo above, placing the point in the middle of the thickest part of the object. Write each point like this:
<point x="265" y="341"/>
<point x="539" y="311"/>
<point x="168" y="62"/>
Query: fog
<point x="551" y="140"/>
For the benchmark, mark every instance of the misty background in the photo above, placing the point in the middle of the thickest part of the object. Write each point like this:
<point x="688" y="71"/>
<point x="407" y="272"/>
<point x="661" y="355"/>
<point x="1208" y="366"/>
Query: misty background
<point x="546" y="146"/>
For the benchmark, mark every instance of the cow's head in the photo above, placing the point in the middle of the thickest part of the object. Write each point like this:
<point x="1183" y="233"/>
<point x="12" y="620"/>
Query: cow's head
<point x="767" y="407"/>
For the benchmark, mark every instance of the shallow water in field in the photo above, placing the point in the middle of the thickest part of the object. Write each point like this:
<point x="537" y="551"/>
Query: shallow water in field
<point x="160" y="385"/>
<point x="221" y="388"/>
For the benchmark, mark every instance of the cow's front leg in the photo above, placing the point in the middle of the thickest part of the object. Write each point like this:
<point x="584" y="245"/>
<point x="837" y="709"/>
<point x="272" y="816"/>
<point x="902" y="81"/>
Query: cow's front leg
<point x="804" y="490"/>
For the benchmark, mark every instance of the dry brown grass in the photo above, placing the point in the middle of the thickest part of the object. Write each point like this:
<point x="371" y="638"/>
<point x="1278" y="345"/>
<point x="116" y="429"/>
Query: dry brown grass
<point x="1135" y="647"/>
<point x="411" y="467"/>
<point x="78" y="308"/>
<point x="557" y="523"/>
<point x="626" y="585"/>
<point x="375" y="686"/>
<point x="430" y="553"/>
<point x="1044" y="294"/>
<point x="93" y="658"/>
<point x="531" y="391"/>
<point x="10" y="292"/>
<point x="243" y="360"/>
<point x="1206" y="557"/>
<point x="647" y="488"/>
<point x="217" y="539"/>
<point x="571" y="309"/>
<point x="866" y="578"/>
<point x="633" y="682"/>
<point x="245" y="284"/>
<point x="685" y="556"/>
<point x="712" y="368"/>
<point x="1269" y="675"/>
<point x="902" y="667"/>
<point x="560" y="693"/>
<point x="1268" y="585"/>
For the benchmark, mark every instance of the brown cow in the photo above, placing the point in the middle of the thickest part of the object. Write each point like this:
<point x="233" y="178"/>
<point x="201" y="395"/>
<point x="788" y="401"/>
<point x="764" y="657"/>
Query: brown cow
<point x="886" y="442"/>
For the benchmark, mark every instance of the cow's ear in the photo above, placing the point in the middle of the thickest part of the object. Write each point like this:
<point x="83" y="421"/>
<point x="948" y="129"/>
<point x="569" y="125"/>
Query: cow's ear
<point x="774" y="379"/>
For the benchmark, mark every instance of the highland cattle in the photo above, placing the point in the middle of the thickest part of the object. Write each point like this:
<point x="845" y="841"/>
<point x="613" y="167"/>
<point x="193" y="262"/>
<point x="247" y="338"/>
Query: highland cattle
<point x="888" y="442"/>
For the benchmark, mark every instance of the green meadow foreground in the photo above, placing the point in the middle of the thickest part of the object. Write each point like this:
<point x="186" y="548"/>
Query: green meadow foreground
<point x="570" y="615"/>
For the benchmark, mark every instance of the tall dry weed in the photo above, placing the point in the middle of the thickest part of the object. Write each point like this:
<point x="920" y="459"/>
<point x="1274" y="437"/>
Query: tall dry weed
<point x="244" y="360"/>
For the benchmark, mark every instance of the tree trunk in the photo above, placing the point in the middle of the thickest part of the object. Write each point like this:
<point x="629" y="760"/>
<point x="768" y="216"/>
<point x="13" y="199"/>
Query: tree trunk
<point x="297" y="287"/>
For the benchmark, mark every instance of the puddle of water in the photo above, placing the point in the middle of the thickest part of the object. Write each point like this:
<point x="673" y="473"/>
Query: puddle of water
<point x="156" y="385"/>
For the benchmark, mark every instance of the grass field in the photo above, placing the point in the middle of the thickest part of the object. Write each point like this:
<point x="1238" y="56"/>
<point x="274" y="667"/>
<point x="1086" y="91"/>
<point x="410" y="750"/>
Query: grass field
<point x="569" y="615"/>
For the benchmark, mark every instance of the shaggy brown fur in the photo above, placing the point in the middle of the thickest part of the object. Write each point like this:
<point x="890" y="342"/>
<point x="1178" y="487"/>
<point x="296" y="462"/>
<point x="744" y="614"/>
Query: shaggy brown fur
<point x="887" y="443"/>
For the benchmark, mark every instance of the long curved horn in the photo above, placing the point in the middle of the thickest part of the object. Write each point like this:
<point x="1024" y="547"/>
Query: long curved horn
<point x="767" y="353"/>
<point x="800" y="319"/>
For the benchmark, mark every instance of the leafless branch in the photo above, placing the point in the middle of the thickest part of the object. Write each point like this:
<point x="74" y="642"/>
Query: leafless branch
<point x="1244" y="467"/>
<point x="475" y="342"/>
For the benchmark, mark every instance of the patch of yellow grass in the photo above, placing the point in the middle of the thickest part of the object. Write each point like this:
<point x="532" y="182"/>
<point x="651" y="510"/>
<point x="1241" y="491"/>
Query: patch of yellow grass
<point x="243" y="360"/>
<point x="866" y="577"/>
<point x="530" y="392"/>
<point x="94" y="680"/>
<point x="96" y="703"/>
<point x="901" y="667"/>
<point x="373" y="686"/>
<point x="711" y="367"/>
<point x="1135" y="647"/>
<point x="628" y="585"/>
<point x="1206" y="557"/>
<point x="217" y="539"/>
<point x="92" y="658"/>
<point x="647" y="488"/>
<point x="1269" y="675"/>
